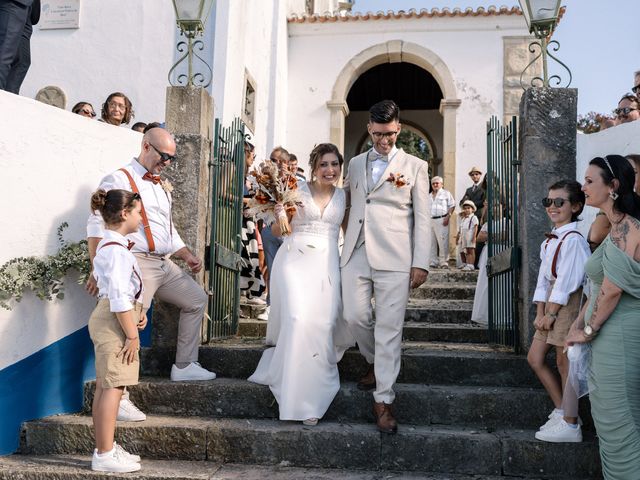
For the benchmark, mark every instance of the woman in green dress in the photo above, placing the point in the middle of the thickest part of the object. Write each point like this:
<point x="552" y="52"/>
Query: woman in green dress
<point x="611" y="318"/>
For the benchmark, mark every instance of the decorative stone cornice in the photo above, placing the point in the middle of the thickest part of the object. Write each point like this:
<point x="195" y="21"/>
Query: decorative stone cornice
<point x="449" y="104"/>
<point x="333" y="105"/>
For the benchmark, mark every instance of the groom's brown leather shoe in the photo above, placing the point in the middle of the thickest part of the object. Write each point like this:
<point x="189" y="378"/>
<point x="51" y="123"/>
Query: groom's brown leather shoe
<point x="384" y="417"/>
<point x="368" y="382"/>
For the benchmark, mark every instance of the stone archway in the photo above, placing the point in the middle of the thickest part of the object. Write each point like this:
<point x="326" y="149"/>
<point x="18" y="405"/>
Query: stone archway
<point x="395" y="51"/>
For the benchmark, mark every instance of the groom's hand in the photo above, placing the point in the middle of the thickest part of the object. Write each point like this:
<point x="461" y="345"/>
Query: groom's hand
<point x="417" y="277"/>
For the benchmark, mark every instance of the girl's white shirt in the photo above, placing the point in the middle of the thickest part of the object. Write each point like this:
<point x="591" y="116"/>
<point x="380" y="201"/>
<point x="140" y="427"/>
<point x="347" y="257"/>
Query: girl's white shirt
<point x="113" y="269"/>
<point x="573" y="255"/>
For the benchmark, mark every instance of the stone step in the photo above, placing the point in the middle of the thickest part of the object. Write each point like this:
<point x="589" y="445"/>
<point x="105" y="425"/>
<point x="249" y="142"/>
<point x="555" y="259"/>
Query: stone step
<point x="327" y="445"/>
<point x="445" y="332"/>
<point x="453" y="275"/>
<point x="426" y="363"/>
<point x="77" y="467"/>
<point x="418" y="310"/>
<point x="417" y="331"/>
<point x="439" y="311"/>
<point x="442" y="291"/>
<point x="483" y="407"/>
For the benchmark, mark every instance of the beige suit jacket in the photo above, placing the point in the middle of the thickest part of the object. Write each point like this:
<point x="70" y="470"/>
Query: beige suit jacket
<point x="395" y="219"/>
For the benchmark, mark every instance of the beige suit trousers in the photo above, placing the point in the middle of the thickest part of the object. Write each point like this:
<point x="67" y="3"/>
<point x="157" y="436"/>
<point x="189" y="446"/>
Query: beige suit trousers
<point x="169" y="283"/>
<point x="379" y="340"/>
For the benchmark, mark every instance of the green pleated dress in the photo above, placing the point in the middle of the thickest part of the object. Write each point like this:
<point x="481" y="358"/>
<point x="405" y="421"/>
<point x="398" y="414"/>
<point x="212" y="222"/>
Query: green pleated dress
<point x="615" y="366"/>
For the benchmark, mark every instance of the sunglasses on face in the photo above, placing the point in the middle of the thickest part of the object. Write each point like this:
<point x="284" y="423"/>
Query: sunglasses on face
<point x="88" y="112"/>
<point x="558" y="202"/>
<point x="164" y="156"/>
<point x="624" y="110"/>
<point x="636" y="89"/>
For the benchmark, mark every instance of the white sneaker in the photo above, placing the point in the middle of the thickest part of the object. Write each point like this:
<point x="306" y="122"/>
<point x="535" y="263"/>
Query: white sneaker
<point x="555" y="415"/>
<point x="128" y="412"/>
<point x="255" y="301"/>
<point x="560" y="432"/>
<point x="113" y="461"/>
<point x="193" y="371"/>
<point x="468" y="268"/>
<point x="264" y="316"/>
<point x="131" y="456"/>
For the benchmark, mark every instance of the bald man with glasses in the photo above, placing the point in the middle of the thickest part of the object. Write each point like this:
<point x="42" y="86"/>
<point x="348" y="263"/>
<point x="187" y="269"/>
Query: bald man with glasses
<point x="154" y="243"/>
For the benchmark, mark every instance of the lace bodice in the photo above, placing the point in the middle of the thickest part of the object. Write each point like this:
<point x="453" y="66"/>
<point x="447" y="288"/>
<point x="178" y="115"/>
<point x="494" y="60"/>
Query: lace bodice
<point x="308" y="219"/>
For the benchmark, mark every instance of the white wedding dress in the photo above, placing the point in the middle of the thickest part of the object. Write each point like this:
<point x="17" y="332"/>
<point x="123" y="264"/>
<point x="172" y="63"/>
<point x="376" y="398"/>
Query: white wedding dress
<point x="304" y="321"/>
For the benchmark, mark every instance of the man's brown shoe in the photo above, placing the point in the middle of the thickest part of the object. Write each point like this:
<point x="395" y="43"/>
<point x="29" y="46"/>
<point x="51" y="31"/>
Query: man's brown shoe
<point x="368" y="382"/>
<point x="384" y="417"/>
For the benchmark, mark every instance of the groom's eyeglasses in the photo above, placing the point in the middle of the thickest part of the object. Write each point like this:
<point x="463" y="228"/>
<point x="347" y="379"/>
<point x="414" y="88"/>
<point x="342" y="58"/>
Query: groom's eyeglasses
<point x="386" y="135"/>
<point x="558" y="202"/>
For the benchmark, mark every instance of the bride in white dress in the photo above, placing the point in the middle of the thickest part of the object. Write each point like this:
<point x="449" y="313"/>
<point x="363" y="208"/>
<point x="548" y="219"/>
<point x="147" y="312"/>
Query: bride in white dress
<point x="301" y="370"/>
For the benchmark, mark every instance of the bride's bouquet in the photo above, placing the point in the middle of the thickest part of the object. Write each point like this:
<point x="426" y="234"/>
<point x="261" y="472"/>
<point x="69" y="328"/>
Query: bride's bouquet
<point x="273" y="189"/>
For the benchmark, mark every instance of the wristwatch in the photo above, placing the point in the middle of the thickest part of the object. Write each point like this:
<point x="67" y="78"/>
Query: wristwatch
<point x="552" y="315"/>
<point x="589" y="332"/>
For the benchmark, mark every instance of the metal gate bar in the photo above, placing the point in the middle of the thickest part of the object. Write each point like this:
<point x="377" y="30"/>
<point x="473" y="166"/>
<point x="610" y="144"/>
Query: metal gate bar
<point x="504" y="252"/>
<point x="224" y="261"/>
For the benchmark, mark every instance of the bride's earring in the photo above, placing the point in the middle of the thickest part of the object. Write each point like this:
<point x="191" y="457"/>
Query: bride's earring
<point x="613" y="195"/>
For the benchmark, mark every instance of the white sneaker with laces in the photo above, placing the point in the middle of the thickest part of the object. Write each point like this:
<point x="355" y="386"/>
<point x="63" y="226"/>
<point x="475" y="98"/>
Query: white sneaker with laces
<point x="560" y="432"/>
<point x="264" y="316"/>
<point x="128" y="412"/>
<point x="113" y="461"/>
<point x="131" y="456"/>
<point x="193" y="371"/>
<point x="555" y="415"/>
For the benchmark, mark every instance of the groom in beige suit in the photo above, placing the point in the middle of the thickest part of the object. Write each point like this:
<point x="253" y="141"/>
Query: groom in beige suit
<point x="385" y="252"/>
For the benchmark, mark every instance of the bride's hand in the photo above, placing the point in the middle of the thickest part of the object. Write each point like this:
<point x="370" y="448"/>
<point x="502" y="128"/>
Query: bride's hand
<point x="280" y="211"/>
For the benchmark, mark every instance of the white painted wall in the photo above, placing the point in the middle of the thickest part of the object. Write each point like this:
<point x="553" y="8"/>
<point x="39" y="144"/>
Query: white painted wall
<point x="472" y="48"/>
<point x="621" y="140"/>
<point x="121" y="45"/>
<point x="51" y="161"/>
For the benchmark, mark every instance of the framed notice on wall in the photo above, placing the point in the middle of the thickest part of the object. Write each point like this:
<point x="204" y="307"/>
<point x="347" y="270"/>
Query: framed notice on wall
<point x="58" y="14"/>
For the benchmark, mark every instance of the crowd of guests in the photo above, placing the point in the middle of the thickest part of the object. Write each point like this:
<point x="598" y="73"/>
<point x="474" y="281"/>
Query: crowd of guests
<point x="470" y="220"/>
<point x="628" y="109"/>
<point x="116" y="110"/>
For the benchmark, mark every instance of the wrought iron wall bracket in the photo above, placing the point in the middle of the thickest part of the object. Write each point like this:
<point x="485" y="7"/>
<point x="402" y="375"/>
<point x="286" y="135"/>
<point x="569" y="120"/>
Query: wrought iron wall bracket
<point x="191" y="78"/>
<point x="542" y="47"/>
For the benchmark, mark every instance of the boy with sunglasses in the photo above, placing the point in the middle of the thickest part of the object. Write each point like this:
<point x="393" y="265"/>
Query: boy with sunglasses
<point x="558" y="295"/>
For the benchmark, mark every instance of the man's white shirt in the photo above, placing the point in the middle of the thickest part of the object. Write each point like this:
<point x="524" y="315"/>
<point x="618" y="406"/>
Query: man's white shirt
<point x="157" y="204"/>
<point x="441" y="203"/>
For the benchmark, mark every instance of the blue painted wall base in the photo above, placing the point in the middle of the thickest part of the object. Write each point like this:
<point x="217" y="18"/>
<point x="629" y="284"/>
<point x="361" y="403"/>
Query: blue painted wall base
<point x="46" y="383"/>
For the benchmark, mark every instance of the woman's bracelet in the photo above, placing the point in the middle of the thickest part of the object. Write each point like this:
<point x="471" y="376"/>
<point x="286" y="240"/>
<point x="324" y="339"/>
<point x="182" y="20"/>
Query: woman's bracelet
<point x="132" y="338"/>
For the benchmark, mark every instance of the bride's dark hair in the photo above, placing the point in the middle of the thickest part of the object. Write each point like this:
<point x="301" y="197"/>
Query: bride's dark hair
<point x="319" y="151"/>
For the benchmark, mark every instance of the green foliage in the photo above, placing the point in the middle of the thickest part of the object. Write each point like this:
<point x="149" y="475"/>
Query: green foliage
<point x="44" y="275"/>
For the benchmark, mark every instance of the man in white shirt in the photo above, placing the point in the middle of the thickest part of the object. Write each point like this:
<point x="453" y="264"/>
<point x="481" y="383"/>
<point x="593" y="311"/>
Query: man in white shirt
<point x="154" y="242"/>
<point x="442" y="207"/>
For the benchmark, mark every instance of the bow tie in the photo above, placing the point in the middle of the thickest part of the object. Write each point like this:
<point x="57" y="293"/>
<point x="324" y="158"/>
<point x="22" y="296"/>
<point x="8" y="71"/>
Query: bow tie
<point x="130" y="244"/>
<point x="550" y="235"/>
<point x="377" y="156"/>
<point x="152" y="178"/>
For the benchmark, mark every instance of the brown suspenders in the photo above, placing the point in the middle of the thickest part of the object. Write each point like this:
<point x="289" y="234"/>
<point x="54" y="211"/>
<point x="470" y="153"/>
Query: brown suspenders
<point x="555" y="256"/>
<point x="143" y="213"/>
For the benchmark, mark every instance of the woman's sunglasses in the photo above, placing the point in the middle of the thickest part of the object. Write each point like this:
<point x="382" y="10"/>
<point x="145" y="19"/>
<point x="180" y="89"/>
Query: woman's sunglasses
<point x="558" y="202"/>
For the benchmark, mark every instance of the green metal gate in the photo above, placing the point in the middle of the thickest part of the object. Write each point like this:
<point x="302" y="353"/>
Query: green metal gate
<point x="504" y="252"/>
<point x="224" y="261"/>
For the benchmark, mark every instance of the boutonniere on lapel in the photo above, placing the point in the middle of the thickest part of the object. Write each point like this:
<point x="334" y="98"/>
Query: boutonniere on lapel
<point x="166" y="185"/>
<point x="398" y="180"/>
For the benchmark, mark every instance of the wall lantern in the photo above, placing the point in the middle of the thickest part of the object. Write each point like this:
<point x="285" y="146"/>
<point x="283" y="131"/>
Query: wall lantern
<point x="191" y="17"/>
<point x="542" y="17"/>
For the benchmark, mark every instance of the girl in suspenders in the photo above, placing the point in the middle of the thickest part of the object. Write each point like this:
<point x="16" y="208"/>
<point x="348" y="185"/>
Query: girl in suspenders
<point x="558" y="296"/>
<point x="114" y="324"/>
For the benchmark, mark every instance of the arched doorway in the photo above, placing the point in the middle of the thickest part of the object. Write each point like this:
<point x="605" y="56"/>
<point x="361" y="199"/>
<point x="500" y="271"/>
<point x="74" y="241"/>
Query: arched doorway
<point x="418" y="95"/>
<point x="393" y="52"/>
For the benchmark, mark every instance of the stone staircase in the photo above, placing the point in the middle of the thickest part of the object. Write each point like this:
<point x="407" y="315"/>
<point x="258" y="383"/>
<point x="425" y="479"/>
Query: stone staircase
<point x="467" y="410"/>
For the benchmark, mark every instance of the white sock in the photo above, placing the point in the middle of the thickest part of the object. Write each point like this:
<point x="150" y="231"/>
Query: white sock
<point x="558" y="411"/>
<point x="572" y="425"/>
